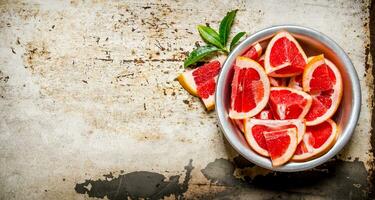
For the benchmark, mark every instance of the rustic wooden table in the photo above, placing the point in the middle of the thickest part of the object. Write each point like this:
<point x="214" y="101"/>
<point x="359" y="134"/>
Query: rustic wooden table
<point x="90" y="106"/>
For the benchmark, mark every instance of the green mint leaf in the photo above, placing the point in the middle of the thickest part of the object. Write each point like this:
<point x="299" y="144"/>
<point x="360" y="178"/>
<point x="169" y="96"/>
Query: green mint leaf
<point x="210" y="36"/>
<point x="235" y="39"/>
<point x="199" y="53"/>
<point x="226" y="25"/>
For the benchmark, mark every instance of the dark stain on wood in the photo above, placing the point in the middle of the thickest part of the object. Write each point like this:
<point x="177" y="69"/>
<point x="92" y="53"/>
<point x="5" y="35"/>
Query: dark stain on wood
<point x="136" y="185"/>
<point x="335" y="179"/>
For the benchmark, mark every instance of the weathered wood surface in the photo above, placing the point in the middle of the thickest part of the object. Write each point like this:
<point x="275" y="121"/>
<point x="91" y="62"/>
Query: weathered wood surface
<point x="90" y="107"/>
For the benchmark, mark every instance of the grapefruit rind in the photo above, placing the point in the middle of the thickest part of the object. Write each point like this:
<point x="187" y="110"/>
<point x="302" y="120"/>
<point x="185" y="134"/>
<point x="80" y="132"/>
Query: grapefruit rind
<point x="299" y="92"/>
<point x="315" y="62"/>
<point x="186" y="80"/>
<point x="289" y="152"/>
<point x="293" y="83"/>
<point x="240" y="123"/>
<point x="312" y="152"/>
<point x="244" y="62"/>
<point x="258" y="49"/>
<point x="209" y="102"/>
<point x="271" y="70"/>
<point x="255" y="47"/>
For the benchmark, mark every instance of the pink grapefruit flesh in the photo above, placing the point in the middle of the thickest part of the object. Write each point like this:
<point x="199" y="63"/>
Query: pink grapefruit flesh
<point x="250" y="89"/>
<point x="284" y="56"/>
<point x="326" y="93"/>
<point x="255" y="129"/>
<point x="288" y="103"/>
<point x="317" y="140"/>
<point x="201" y="82"/>
<point x="254" y="52"/>
<point x="281" y="145"/>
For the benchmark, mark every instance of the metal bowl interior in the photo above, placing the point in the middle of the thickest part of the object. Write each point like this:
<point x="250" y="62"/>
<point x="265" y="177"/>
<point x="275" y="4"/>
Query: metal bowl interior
<point x="313" y="42"/>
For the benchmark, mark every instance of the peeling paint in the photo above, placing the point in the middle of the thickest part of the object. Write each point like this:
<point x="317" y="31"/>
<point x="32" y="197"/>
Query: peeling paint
<point x="335" y="179"/>
<point x="135" y="185"/>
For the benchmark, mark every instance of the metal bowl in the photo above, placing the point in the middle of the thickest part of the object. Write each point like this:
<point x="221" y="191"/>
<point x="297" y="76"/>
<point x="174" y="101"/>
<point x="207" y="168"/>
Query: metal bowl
<point x="313" y="42"/>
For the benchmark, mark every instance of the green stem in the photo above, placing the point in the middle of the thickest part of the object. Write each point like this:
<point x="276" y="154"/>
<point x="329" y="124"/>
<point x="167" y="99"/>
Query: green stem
<point x="225" y="50"/>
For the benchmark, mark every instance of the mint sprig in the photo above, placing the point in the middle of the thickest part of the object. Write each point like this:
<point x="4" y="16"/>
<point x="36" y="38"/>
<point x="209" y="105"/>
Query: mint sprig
<point x="216" y="40"/>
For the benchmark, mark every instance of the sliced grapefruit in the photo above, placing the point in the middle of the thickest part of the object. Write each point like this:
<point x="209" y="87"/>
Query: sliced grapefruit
<point x="288" y="103"/>
<point x="206" y="92"/>
<point x="250" y="89"/>
<point x="320" y="75"/>
<point x="295" y="82"/>
<point x="201" y="82"/>
<point x="240" y="123"/>
<point x="191" y="79"/>
<point x="254" y="52"/>
<point x="275" y="82"/>
<point x="255" y="128"/>
<point x="261" y="60"/>
<point x="323" y="80"/>
<point x="281" y="145"/>
<point x="264" y="114"/>
<point x="284" y="57"/>
<point x="316" y="141"/>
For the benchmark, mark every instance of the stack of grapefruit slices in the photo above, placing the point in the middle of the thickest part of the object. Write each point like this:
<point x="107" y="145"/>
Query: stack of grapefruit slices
<point x="283" y="101"/>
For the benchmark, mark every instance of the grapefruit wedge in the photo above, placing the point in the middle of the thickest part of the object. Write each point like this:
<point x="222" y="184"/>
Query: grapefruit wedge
<point x="254" y="52"/>
<point x="281" y="145"/>
<point x="323" y="80"/>
<point x="295" y="82"/>
<point x="240" y="123"/>
<point x="255" y="129"/>
<point x="320" y="75"/>
<point x="288" y="103"/>
<point x="284" y="57"/>
<point x="316" y="141"/>
<point x="201" y="82"/>
<point x="250" y="89"/>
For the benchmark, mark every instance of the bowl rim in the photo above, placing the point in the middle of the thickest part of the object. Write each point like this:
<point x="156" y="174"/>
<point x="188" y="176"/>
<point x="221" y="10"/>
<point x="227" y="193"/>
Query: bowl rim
<point x="346" y="134"/>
